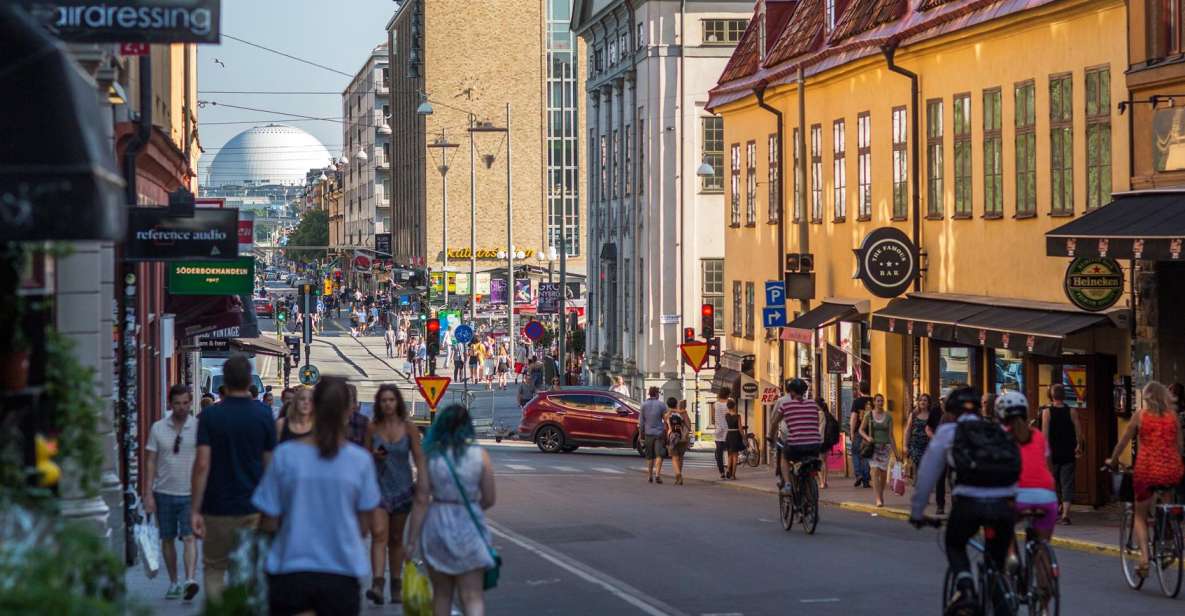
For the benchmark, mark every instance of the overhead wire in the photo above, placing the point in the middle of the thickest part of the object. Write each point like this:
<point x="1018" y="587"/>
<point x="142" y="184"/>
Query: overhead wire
<point x="287" y="55"/>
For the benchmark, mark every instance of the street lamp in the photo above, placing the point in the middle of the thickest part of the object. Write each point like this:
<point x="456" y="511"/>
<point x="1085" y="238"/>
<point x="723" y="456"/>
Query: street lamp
<point x="444" y="146"/>
<point x="424" y="108"/>
<point x="361" y="155"/>
<point x="705" y="170"/>
<point x="487" y="127"/>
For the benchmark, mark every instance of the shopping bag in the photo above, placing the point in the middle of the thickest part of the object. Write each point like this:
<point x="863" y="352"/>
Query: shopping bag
<point x="148" y="545"/>
<point x="897" y="480"/>
<point x="417" y="591"/>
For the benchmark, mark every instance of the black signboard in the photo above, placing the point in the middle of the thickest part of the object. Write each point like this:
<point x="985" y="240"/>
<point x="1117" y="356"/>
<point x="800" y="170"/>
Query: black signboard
<point x="572" y="291"/>
<point x="210" y="235"/>
<point x="549" y="298"/>
<point x="837" y="360"/>
<point x="382" y="245"/>
<point x="887" y="262"/>
<point x="134" y="21"/>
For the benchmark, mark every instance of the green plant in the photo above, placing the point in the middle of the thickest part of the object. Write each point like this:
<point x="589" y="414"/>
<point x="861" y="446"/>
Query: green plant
<point x="576" y="341"/>
<point x="70" y="386"/>
<point x="12" y="305"/>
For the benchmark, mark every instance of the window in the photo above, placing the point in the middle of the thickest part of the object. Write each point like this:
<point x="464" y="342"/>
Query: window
<point x="1164" y="28"/>
<point x="724" y="31"/>
<point x="1061" y="144"/>
<point x="839" y="171"/>
<point x="616" y="154"/>
<point x="627" y="167"/>
<point x="775" y="204"/>
<point x="735" y="184"/>
<point x="641" y="34"/>
<point x="816" y="173"/>
<point x="712" y="140"/>
<point x="603" y="165"/>
<point x="829" y="16"/>
<point x="749" y="317"/>
<point x="864" y="164"/>
<point x="798" y="179"/>
<point x="1098" y="136"/>
<point x="900" y="164"/>
<point x="642" y="174"/>
<point x="612" y="52"/>
<point x="712" y="289"/>
<point x="627" y="296"/>
<point x="962" y="118"/>
<point x="751" y="183"/>
<point x="934" y="205"/>
<point x="993" y="156"/>
<point x="624" y="41"/>
<point x="1026" y="149"/>
<point x="737" y="315"/>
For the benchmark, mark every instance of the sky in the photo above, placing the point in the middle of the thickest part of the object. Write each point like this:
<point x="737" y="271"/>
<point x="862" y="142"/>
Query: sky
<point x="339" y="34"/>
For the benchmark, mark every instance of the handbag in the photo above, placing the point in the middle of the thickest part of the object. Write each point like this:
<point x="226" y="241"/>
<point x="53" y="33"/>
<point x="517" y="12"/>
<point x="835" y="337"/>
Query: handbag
<point x="867" y="449"/>
<point x="148" y="545"/>
<point x="490" y="580"/>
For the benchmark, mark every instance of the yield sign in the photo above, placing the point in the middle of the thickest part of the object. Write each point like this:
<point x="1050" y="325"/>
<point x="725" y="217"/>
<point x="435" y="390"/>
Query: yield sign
<point x="432" y="389"/>
<point x="694" y="353"/>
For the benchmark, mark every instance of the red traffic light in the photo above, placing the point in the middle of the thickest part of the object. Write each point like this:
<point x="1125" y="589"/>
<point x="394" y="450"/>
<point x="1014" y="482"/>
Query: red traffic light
<point x="688" y="334"/>
<point x="433" y="326"/>
<point x="708" y="310"/>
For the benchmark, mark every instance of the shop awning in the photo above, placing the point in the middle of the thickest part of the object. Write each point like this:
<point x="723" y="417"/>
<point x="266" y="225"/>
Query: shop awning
<point x="829" y="311"/>
<point x="57" y="169"/>
<point x="1017" y="325"/>
<point x="261" y="345"/>
<point x="608" y="251"/>
<point x="726" y="377"/>
<point x="201" y="314"/>
<point x="1138" y="225"/>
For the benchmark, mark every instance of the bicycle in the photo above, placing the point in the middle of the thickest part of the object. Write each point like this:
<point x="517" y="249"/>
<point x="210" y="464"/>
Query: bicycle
<point x="1166" y="543"/>
<point x="802" y="503"/>
<point x="986" y="578"/>
<point x="751" y="455"/>
<point x="1037" y="572"/>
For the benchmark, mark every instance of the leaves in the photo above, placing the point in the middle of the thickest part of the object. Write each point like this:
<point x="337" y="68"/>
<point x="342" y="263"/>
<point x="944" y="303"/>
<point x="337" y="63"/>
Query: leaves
<point x="313" y="230"/>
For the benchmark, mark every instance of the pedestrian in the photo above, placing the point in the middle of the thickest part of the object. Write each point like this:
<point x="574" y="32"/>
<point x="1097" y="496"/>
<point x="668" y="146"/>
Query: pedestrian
<point x="318" y="496"/>
<point x="1059" y="423"/>
<point x="860" y="468"/>
<point x="878" y="428"/>
<point x="394" y="442"/>
<point x="401" y="338"/>
<point x="421" y="356"/>
<point x="447" y="526"/>
<point x="734" y="439"/>
<point x="652" y="427"/>
<point x="207" y="401"/>
<point x="411" y="359"/>
<point x="357" y="423"/>
<point x="503" y="365"/>
<point x="235" y="439"/>
<point x="720" y="425"/>
<point x="172" y="447"/>
<point x="619" y="386"/>
<point x="526" y="392"/>
<point x="987" y="406"/>
<point x="1158" y="457"/>
<point x="678" y="425"/>
<point x="945" y="416"/>
<point x="474" y="361"/>
<point x="389" y="339"/>
<point x="923" y="421"/>
<point x="459" y="362"/>
<point x="298" y="418"/>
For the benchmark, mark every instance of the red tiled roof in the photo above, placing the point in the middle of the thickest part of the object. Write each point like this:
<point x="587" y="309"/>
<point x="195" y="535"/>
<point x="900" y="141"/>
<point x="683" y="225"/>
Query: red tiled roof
<point x="804" y="33"/>
<point x="926" y="5"/>
<point x="745" y="58"/>
<point x="865" y="15"/>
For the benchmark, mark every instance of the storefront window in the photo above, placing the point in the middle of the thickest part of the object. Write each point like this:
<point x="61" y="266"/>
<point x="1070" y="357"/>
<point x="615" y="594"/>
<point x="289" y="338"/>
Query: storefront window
<point x="954" y="368"/>
<point x="1072" y="376"/>
<point x="1007" y="371"/>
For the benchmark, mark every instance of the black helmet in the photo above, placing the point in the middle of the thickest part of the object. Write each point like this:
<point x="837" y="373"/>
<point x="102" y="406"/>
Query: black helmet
<point x="962" y="400"/>
<point x="797" y="386"/>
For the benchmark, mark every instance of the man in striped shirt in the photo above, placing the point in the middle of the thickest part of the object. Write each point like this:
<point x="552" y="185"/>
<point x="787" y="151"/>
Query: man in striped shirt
<point x="801" y="417"/>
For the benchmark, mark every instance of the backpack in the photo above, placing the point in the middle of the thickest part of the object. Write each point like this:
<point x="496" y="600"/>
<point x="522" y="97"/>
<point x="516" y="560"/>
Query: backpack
<point x="984" y="455"/>
<point x="830" y="431"/>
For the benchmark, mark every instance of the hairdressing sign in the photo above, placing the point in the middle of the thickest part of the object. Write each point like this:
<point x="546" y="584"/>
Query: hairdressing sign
<point x="135" y="21"/>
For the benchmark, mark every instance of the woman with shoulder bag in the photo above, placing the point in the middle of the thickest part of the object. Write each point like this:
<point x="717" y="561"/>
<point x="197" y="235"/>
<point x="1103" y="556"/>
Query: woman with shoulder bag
<point x="860" y="466"/>
<point x="678" y="434"/>
<point x="878" y="429"/>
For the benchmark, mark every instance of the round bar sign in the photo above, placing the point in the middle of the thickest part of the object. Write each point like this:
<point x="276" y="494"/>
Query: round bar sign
<point x="887" y="262"/>
<point x="1094" y="283"/>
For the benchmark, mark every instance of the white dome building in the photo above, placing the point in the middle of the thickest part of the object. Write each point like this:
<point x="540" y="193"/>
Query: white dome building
<point x="275" y="154"/>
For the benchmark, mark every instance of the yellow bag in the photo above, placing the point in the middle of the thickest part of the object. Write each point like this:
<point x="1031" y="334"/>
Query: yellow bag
<point x="417" y="591"/>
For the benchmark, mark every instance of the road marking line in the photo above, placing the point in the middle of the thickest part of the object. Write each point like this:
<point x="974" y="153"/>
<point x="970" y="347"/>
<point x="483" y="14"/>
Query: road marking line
<point x="617" y="588"/>
<point x="519" y="467"/>
<point x="824" y="600"/>
<point x="612" y="471"/>
<point x="566" y="469"/>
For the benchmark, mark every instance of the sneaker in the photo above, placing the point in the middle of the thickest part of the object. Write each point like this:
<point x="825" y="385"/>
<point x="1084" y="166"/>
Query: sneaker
<point x="787" y="490"/>
<point x="191" y="589"/>
<point x="174" y="591"/>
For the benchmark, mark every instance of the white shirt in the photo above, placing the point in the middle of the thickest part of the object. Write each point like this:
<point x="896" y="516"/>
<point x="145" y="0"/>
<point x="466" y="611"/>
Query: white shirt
<point x="173" y="470"/>
<point x="622" y="389"/>
<point x="721" y="409"/>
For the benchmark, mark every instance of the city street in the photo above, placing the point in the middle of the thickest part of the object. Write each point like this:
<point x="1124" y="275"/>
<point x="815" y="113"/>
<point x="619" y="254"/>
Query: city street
<point x="584" y="533"/>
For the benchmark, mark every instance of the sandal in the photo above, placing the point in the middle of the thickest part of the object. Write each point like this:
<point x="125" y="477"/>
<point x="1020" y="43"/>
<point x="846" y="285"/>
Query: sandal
<point x="1142" y="570"/>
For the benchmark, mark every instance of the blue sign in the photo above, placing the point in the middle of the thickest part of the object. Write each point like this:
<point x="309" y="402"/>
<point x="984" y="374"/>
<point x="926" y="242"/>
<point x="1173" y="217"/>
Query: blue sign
<point x="463" y="334"/>
<point x="773" y="316"/>
<point x="775" y="293"/>
<point x="534" y="330"/>
<point x="404" y="300"/>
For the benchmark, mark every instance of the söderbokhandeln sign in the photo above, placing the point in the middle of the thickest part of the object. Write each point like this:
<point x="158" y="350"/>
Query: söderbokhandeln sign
<point x="136" y="21"/>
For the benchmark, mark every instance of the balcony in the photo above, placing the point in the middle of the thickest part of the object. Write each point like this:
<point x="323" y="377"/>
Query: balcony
<point x="380" y="160"/>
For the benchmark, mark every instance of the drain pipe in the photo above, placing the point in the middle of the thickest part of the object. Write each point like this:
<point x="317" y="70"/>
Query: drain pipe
<point x="890" y="50"/>
<point x="143" y="129"/>
<point x="760" y="94"/>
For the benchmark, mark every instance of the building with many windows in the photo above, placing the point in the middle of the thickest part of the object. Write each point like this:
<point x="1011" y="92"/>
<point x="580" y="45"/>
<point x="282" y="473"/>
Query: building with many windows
<point x="366" y="139"/>
<point x="928" y="148"/>
<point x="654" y="236"/>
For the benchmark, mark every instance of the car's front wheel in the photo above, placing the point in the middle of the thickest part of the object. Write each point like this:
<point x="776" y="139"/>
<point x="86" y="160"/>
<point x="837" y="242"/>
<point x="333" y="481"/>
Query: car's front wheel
<point x="549" y="439"/>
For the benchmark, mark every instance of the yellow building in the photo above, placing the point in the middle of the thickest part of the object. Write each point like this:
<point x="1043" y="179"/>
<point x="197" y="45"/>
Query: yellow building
<point x="1013" y="130"/>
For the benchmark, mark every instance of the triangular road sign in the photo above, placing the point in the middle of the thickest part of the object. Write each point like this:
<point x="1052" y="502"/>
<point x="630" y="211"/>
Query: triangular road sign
<point x="694" y="353"/>
<point x="432" y="388"/>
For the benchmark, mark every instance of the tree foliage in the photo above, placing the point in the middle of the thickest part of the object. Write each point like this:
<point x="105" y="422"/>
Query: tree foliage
<point x="313" y="230"/>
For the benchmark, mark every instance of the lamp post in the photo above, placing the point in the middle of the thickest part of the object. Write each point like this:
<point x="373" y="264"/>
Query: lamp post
<point x="486" y="127"/>
<point x="704" y="170"/>
<point x="444" y="146"/>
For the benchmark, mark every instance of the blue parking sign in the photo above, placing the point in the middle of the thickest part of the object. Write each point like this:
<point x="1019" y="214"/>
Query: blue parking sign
<point x="773" y="316"/>
<point x="775" y="293"/>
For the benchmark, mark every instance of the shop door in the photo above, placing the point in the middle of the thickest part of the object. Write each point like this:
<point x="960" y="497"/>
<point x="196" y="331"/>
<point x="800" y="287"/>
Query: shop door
<point x="1087" y="379"/>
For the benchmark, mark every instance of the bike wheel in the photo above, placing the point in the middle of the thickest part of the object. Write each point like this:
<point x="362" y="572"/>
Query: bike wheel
<point x="1129" y="552"/>
<point x="948" y="588"/>
<point x="810" y="505"/>
<point x="998" y="597"/>
<point x="786" y="510"/>
<point x="1167" y="558"/>
<point x="1044" y="593"/>
<point x="753" y="457"/>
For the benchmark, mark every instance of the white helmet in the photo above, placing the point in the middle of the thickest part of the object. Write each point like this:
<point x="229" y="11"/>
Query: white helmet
<point x="1011" y="404"/>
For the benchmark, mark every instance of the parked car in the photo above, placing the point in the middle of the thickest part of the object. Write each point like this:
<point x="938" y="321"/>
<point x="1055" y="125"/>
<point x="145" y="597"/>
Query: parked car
<point x="568" y="418"/>
<point x="264" y="308"/>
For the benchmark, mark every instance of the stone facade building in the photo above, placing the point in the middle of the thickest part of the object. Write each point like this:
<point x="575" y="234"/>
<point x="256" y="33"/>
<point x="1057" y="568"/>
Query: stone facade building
<point x="366" y="140"/>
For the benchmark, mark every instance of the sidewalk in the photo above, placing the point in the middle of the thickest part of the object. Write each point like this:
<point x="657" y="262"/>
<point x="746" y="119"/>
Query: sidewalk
<point x="1094" y="530"/>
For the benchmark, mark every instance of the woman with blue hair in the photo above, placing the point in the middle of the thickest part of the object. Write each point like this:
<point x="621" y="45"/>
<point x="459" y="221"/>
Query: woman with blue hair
<point x="447" y="527"/>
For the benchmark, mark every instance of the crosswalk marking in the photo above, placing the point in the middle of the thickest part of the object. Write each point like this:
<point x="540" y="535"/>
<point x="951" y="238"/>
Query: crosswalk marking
<point x="519" y="467"/>
<point x="611" y="471"/>
<point x="566" y="469"/>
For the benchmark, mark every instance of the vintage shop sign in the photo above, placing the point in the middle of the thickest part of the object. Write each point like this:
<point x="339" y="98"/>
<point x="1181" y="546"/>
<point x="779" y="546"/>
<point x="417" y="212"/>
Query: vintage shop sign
<point x="1094" y="283"/>
<point x="887" y="262"/>
<point x="483" y="253"/>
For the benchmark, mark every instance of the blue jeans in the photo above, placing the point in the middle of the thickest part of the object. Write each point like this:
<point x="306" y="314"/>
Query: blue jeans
<point x="860" y="464"/>
<point x="172" y="516"/>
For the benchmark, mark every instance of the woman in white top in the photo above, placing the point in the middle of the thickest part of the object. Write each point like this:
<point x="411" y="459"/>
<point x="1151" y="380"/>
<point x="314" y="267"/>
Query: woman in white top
<point x="719" y="411"/>
<point x="620" y="387"/>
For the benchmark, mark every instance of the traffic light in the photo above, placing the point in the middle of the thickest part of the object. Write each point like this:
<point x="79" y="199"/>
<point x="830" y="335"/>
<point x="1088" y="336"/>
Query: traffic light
<point x="688" y="334"/>
<point x="714" y="351"/>
<point x="328" y="290"/>
<point x="432" y="337"/>
<point x="708" y="320"/>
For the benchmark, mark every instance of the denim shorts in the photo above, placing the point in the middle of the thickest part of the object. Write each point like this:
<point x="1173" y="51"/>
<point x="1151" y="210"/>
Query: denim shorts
<point x="172" y="515"/>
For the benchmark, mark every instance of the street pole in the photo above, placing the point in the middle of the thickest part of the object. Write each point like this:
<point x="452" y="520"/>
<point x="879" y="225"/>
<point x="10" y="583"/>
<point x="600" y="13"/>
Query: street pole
<point x="472" y="226"/>
<point x="509" y="245"/>
<point x="443" y="145"/>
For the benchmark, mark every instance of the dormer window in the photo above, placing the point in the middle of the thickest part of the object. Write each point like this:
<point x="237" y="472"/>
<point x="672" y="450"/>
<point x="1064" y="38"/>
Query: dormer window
<point x="761" y="35"/>
<point x="829" y="16"/>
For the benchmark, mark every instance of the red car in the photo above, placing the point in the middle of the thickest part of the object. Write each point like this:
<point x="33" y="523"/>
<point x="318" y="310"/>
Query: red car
<point x="568" y="418"/>
<point x="263" y="308"/>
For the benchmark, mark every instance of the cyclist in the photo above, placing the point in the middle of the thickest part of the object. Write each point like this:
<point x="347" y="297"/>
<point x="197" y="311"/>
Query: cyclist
<point x="801" y="416"/>
<point x="986" y="464"/>
<point x="1035" y="489"/>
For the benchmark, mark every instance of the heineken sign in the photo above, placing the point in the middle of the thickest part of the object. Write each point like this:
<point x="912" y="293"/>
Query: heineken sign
<point x="212" y="277"/>
<point x="1094" y="283"/>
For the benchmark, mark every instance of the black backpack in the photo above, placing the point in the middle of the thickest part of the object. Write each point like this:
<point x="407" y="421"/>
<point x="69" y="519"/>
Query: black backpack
<point x="830" y="431"/>
<point x="984" y="455"/>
